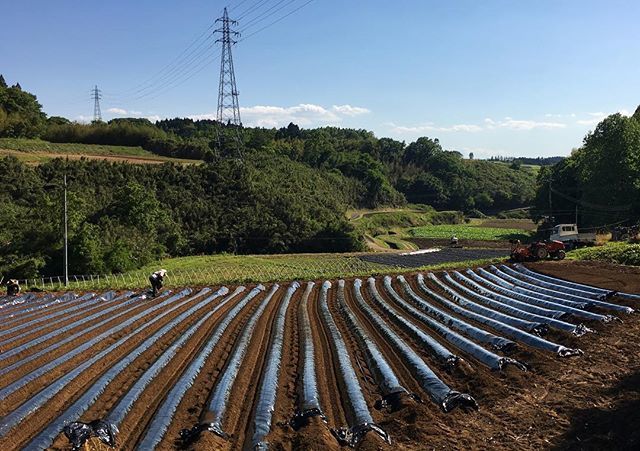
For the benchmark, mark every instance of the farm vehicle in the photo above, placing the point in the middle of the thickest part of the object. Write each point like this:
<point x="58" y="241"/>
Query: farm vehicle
<point x="571" y="237"/>
<point x="539" y="250"/>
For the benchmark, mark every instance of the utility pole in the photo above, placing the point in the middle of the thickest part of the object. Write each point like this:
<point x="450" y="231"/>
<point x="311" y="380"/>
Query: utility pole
<point x="550" y="204"/>
<point x="97" y="95"/>
<point x="66" y="235"/>
<point x="228" y="112"/>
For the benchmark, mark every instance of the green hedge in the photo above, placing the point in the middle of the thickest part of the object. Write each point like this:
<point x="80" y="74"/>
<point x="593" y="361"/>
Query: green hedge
<point x="620" y="253"/>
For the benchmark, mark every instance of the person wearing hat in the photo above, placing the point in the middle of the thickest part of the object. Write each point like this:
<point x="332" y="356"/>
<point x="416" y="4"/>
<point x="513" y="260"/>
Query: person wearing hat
<point x="13" y="287"/>
<point x="156" y="280"/>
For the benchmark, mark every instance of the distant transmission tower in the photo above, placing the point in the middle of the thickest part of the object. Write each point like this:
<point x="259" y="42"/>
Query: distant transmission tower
<point x="97" y="95"/>
<point x="228" y="107"/>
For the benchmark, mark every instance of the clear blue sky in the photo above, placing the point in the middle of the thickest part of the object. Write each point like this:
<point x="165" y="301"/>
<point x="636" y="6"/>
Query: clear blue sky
<point x="492" y="77"/>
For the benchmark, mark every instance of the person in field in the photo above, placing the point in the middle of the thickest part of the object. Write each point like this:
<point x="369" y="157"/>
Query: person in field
<point x="13" y="287"/>
<point x="156" y="280"/>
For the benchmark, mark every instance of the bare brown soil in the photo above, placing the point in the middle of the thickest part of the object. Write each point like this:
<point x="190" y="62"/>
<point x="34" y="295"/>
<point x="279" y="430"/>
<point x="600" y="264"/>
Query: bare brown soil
<point x="588" y="402"/>
<point x="426" y="243"/>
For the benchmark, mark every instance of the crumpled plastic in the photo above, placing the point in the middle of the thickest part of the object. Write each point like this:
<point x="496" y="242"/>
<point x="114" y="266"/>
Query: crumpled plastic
<point x="78" y="433"/>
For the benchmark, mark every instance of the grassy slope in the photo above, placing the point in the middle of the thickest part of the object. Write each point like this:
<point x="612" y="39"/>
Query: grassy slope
<point x="386" y="228"/>
<point x="216" y="270"/>
<point x="619" y="253"/>
<point x="38" y="151"/>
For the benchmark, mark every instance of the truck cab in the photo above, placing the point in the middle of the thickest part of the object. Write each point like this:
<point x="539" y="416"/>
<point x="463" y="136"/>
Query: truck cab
<point x="571" y="237"/>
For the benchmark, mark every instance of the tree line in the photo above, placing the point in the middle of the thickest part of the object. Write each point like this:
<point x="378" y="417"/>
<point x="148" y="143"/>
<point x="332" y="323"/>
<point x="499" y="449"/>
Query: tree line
<point x="599" y="182"/>
<point x="288" y="192"/>
<point x="123" y="216"/>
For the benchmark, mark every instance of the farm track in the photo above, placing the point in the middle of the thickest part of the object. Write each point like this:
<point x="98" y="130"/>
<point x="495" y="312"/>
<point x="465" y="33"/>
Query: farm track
<point x="535" y="406"/>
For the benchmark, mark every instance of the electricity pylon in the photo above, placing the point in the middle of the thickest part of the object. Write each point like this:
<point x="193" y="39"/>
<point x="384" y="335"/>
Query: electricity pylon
<point x="97" y="95"/>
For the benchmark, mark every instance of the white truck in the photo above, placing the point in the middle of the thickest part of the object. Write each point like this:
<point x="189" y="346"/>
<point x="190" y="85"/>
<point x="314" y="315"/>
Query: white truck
<point x="571" y="237"/>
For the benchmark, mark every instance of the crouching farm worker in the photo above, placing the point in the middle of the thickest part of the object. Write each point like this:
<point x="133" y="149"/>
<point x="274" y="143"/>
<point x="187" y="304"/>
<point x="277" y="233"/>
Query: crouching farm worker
<point x="156" y="280"/>
<point x="13" y="287"/>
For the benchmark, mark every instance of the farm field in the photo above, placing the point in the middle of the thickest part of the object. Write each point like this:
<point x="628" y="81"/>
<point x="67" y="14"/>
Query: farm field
<point x="440" y="257"/>
<point x="35" y="151"/>
<point x="265" y="364"/>
<point x="467" y="232"/>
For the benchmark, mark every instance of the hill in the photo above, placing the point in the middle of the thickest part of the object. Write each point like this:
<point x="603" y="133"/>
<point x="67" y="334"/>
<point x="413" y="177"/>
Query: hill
<point x="36" y="151"/>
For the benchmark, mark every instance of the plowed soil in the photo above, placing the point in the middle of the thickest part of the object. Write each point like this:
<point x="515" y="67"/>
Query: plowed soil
<point x="587" y="402"/>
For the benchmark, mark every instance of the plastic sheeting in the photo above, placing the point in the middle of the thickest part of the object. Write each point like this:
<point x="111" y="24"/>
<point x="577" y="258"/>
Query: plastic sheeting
<point x="477" y="312"/>
<point x="6" y="391"/>
<point x="217" y="407"/>
<point x="59" y="317"/>
<point x="18" y="301"/>
<point x="497" y="284"/>
<point x="517" y="334"/>
<point x="362" y="419"/>
<point x="498" y="343"/>
<point x="439" y="392"/>
<point x="551" y="321"/>
<point x="601" y="292"/>
<point x="78" y="433"/>
<point x="25" y="322"/>
<point x="20" y="315"/>
<point x="488" y="358"/>
<point x="83" y="321"/>
<point x="265" y="406"/>
<point x="551" y="292"/>
<point x="120" y="410"/>
<point x="501" y="304"/>
<point x="517" y="278"/>
<point x="163" y="416"/>
<point x="382" y="372"/>
<point x="487" y="277"/>
<point x="309" y="399"/>
<point x="439" y="351"/>
<point x="37" y="401"/>
<point x="72" y="413"/>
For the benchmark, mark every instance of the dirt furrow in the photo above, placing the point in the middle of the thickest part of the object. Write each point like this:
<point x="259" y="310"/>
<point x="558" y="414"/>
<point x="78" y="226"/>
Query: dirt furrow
<point x="72" y="391"/>
<point x="142" y="410"/>
<point x="194" y="403"/>
<point x="326" y="366"/>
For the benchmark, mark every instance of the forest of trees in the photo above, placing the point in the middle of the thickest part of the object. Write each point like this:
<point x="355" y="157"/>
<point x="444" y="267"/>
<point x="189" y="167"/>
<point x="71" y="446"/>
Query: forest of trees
<point x="288" y="192"/>
<point x="123" y="216"/>
<point x="601" y="178"/>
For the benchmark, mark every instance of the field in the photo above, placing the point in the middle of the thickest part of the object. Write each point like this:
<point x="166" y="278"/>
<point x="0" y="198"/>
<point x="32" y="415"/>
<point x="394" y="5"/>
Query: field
<point x="35" y="151"/>
<point x="262" y="365"/>
<point x="468" y="232"/>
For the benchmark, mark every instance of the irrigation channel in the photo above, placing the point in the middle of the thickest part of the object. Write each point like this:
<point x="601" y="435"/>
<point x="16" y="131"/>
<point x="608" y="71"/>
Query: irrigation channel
<point x="306" y="364"/>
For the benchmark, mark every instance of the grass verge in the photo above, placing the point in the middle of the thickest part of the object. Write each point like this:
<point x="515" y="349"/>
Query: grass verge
<point x="217" y="270"/>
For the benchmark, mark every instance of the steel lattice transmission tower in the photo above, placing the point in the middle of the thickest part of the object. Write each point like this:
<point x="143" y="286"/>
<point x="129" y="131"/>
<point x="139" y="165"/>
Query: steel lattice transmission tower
<point x="97" y="95"/>
<point x="228" y="107"/>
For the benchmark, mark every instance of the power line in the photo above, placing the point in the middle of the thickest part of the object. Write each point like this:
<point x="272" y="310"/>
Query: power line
<point x="276" y="21"/>
<point x="195" y="61"/>
<point x="264" y="14"/>
<point x="251" y="9"/>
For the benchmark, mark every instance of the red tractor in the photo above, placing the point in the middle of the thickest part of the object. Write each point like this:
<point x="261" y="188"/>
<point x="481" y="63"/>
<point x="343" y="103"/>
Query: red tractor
<point x="539" y="250"/>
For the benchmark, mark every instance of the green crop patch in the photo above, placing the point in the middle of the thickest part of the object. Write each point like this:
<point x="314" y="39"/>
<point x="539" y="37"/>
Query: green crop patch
<point x="468" y="232"/>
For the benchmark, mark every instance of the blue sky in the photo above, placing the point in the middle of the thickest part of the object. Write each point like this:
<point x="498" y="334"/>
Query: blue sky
<point x="492" y="77"/>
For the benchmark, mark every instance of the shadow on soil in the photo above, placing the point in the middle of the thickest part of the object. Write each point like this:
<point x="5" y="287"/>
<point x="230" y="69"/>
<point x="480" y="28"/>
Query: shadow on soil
<point x="615" y="428"/>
